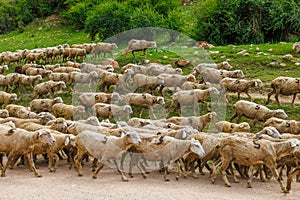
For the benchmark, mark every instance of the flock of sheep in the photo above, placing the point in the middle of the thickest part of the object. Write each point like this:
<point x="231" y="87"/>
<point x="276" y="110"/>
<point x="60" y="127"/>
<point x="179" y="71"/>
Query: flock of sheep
<point x="47" y="126"/>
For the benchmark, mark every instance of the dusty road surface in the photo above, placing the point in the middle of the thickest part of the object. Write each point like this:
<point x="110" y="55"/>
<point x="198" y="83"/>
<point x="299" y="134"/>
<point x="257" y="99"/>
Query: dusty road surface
<point x="65" y="184"/>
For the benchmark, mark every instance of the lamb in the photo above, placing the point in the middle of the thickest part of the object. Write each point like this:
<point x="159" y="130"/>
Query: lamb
<point x="104" y="48"/>
<point x="66" y="111"/>
<point x="239" y="86"/>
<point x="20" y="112"/>
<point x="4" y="113"/>
<point x="44" y="105"/>
<point x="140" y="45"/>
<point x="286" y="86"/>
<point x="296" y="47"/>
<point x="255" y="111"/>
<point x="61" y="141"/>
<point x="237" y="149"/>
<point x="174" y="80"/>
<point x="103" y="148"/>
<point x="144" y="100"/>
<point x="192" y="97"/>
<point x="110" y="111"/>
<point x="48" y="87"/>
<point x="198" y="123"/>
<point x="106" y="79"/>
<point x="284" y="126"/>
<point x="18" y="142"/>
<point x="7" y="98"/>
<point x="227" y="127"/>
<point x="90" y="99"/>
<point x="148" y="83"/>
<point x="215" y="76"/>
<point x="3" y="68"/>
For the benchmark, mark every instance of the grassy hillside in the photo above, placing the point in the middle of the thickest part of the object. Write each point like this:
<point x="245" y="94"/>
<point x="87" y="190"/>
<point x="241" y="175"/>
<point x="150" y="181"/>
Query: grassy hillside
<point x="255" y="64"/>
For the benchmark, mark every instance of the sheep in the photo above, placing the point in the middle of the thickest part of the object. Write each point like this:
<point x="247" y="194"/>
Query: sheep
<point x="22" y="69"/>
<point x="18" y="142"/>
<point x="103" y="148"/>
<point x="44" y="105"/>
<point x="49" y="87"/>
<point x="89" y="99"/>
<point x="10" y="80"/>
<point x="110" y="111"/>
<point x="223" y="65"/>
<point x="61" y="141"/>
<point x="7" y="98"/>
<point x="245" y="152"/>
<point x="174" y="80"/>
<point x="111" y="62"/>
<point x="88" y="67"/>
<point x="155" y="69"/>
<point x="106" y="79"/>
<point x="4" y="113"/>
<point x="296" y="47"/>
<point x="146" y="82"/>
<point x="144" y="100"/>
<point x="66" y="111"/>
<point x="192" y="97"/>
<point x="3" y="68"/>
<point x="192" y="85"/>
<point x="286" y="86"/>
<point x="104" y="48"/>
<point x="31" y="71"/>
<point x="35" y="56"/>
<point x="239" y="86"/>
<point x="215" y="76"/>
<point x="10" y="57"/>
<point x="137" y="69"/>
<point x="198" y="123"/>
<point x="74" y="53"/>
<point x="284" y="126"/>
<point x="227" y="127"/>
<point x="28" y="81"/>
<point x="65" y="77"/>
<point x="167" y="149"/>
<point x="66" y="70"/>
<point x="20" y="112"/>
<point x="83" y="78"/>
<point x="140" y="45"/>
<point x="255" y="111"/>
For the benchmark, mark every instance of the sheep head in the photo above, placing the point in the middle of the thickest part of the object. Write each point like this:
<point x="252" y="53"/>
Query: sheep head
<point x="44" y="136"/>
<point x="197" y="148"/>
<point x="271" y="131"/>
<point x="133" y="138"/>
<point x="280" y="114"/>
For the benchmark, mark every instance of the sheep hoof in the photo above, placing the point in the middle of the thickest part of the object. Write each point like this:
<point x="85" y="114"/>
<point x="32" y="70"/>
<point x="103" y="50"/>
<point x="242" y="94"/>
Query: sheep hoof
<point x="177" y="178"/>
<point x="3" y="175"/>
<point x="227" y="185"/>
<point x="167" y="179"/>
<point x="285" y="190"/>
<point x="94" y="177"/>
<point x="195" y="176"/>
<point x="39" y="175"/>
<point x="125" y="179"/>
<point x="130" y="176"/>
<point x="79" y="174"/>
<point x="144" y="176"/>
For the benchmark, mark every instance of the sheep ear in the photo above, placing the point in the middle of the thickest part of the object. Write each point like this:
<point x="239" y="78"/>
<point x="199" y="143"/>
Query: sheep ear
<point x="67" y="141"/>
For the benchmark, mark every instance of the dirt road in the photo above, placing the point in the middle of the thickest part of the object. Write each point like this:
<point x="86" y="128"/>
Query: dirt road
<point x="66" y="185"/>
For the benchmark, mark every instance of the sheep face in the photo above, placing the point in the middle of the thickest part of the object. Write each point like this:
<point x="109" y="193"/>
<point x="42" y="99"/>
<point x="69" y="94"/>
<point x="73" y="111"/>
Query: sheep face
<point x="44" y="136"/>
<point x="197" y="148"/>
<point x="244" y="127"/>
<point x="115" y="97"/>
<point x="114" y="46"/>
<point x="160" y="100"/>
<point x="133" y="138"/>
<point x="127" y="109"/>
<point x="214" y="116"/>
<point x="57" y="100"/>
<point x="280" y="114"/>
<point x="13" y="97"/>
<point x="61" y="84"/>
<point x="239" y="74"/>
<point x="272" y="131"/>
<point x="45" y="117"/>
<point x="258" y="83"/>
<point x="93" y="121"/>
<point x="294" y="142"/>
<point x="214" y="91"/>
<point x="226" y="65"/>
<point x="79" y="109"/>
<point x="4" y="114"/>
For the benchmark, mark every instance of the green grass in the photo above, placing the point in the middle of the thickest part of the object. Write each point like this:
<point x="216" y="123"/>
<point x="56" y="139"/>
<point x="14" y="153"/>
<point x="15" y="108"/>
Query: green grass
<point x="256" y="65"/>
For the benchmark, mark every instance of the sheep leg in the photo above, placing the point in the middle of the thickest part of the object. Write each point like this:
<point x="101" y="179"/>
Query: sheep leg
<point x="77" y="162"/>
<point x="294" y="97"/>
<point x="9" y="160"/>
<point x="233" y="116"/>
<point x="31" y="164"/>
<point x="53" y="157"/>
<point x="276" y="97"/>
<point x="123" y="177"/>
<point x="225" y="164"/>
<point x="250" y="98"/>
<point x="275" y="174"/>
<point x="166" y="178"/>
<point x="294" y="173"/>
<point x="269" y="96"/>
<point x="101" y="165"/>
<point x="179" y="168"/>
<point x="249" y="182"/>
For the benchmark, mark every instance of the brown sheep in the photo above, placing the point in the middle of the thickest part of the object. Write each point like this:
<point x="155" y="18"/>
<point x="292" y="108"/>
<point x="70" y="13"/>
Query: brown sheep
<point x="7" y="98"/>
<point x="106" y="79"/>
<point x="285" y="86"/>
<point x="18" y="142"/>
<point x="284" y="126"/>
<point x="44" y="105"/>
<point x="228" y="127"/>
<point x="66" y="111"/>
<point x="49" y="87"/>
<point x="239" y="86"/>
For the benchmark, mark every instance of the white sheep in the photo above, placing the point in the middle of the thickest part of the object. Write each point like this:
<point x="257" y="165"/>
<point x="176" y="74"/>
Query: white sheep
<point x="49" y="87"/>
<point x="7" y="98"/>
<point x="140" y="45"/>
<point x="255" y="111"/>
<point x="66" y="111"/>
<point x="104" y="48"/>
<point x="90" y="99"/>
<point x="148" y="83"/>
<point x="285" y="86"/>
<point x="284" y="126"/>
<point x="215" y="76"/>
